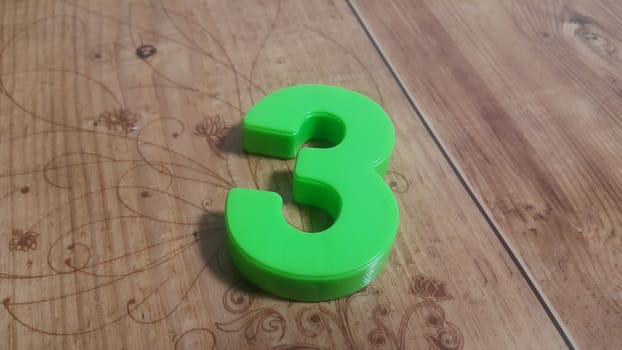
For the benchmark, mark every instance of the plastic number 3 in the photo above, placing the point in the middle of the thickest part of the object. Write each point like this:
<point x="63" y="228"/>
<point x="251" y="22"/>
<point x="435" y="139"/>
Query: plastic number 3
<point x="346" y="180"/>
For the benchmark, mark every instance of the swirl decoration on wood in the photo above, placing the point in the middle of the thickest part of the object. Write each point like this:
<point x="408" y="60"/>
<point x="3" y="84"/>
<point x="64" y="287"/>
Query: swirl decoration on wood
<point x="115" y="163"/>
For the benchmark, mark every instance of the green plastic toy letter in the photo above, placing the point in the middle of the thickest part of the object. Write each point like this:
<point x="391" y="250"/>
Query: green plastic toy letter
<point x="345" y="180"/>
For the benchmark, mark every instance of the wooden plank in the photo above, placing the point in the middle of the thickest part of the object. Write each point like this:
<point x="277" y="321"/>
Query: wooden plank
<point x="120" y="139"/>
<point x="525" y="98"/>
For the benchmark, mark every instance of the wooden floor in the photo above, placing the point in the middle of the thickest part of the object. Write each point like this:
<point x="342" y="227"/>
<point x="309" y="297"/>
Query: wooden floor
<point x="120" y="137"/>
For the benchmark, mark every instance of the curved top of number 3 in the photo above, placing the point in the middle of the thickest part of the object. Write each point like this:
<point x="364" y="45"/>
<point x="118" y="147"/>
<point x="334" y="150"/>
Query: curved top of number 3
<point x="346" y="180"/>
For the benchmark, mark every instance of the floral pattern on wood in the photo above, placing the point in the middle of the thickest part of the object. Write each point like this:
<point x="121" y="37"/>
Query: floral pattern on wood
<point x="439" y="333"/>
<point x="250" y="322"/>
<point x="23" y="241"/>
<point x="315" y="319"/>
<point x="214" y="130"/>
<point x="119" y="120"/>
<point x="429" y="288"/>
<point x="130" y="162"/>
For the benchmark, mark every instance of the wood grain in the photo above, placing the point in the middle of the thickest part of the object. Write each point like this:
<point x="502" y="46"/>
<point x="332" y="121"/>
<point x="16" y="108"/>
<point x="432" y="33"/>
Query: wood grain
<point x="525" y="97"/>
<point x="120" y="138"/>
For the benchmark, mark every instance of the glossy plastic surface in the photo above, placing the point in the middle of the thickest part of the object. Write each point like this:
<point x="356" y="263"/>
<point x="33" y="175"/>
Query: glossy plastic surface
<point x="345" y="180"/>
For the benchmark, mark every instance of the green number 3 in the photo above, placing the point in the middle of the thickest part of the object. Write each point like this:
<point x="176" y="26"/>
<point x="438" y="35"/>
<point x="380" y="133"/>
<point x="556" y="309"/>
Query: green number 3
<point x="346" y="180"/>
